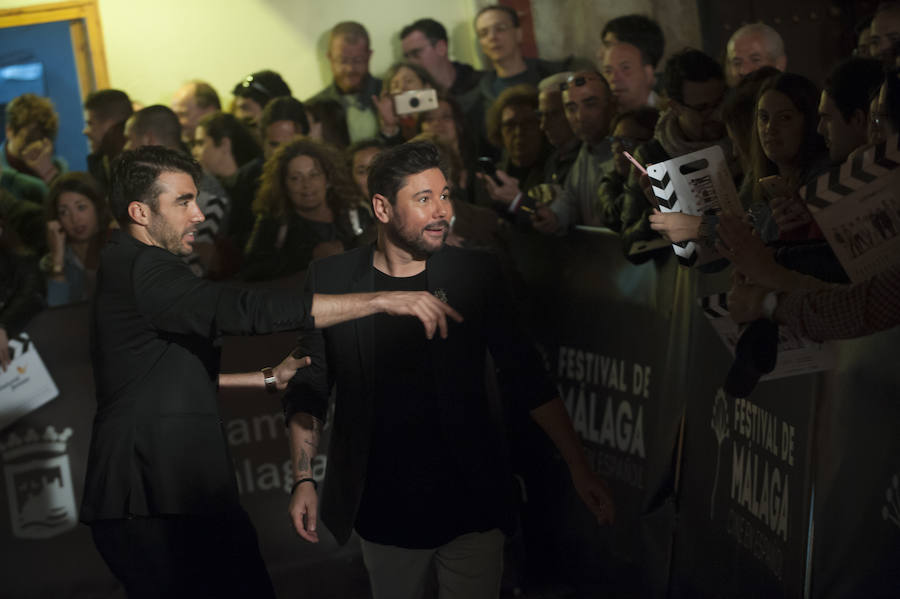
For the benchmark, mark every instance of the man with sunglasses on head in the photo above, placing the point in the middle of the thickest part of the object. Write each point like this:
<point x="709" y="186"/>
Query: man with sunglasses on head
<point x="589" y="105"/>
<point x="253" y="93"/>
<point x="695" y="85"/>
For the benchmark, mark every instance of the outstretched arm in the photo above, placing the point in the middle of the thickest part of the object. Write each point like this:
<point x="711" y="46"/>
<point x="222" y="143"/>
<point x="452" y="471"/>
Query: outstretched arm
<point x="553" y="418"/>
<point x="257" y="380"/>
<point x="333" y="309"/>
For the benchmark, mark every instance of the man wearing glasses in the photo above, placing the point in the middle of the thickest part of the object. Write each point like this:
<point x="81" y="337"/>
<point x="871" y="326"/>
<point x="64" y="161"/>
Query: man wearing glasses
<point x="695" y="85"/>
<point x="353" y="86"/>
<point x="588" y="105"/>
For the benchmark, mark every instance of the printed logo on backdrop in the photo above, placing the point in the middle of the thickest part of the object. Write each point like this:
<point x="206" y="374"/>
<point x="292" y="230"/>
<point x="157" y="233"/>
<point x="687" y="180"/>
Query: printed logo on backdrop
<point x="39" y="483"/>
<point x="757" y="482"/>
<point x="891" y="509"/>
<point x="605" y="398"/>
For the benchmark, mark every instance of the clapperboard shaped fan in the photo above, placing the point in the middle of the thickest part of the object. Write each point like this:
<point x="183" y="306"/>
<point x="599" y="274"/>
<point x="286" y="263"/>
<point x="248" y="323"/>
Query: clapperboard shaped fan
<point x="697" y="183"/>
<point x="857" y="206"/>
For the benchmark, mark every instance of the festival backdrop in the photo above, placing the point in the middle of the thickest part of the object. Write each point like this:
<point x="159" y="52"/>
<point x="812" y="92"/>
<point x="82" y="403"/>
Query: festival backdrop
<point x="713" y="492"/>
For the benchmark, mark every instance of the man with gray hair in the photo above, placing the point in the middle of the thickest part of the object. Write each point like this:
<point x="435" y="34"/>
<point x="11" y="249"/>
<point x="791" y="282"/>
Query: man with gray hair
<point x="193" y="101"/>
<point x="556" y="128"/>
<point x="752" y="47"/>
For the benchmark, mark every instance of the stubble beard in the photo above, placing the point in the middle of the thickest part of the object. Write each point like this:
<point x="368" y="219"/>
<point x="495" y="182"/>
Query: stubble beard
<point x="166" y="235"/>
<point x="415" y="243"/>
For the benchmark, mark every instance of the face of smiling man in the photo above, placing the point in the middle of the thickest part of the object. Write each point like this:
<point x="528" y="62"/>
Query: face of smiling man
<point x="418" y="221"/>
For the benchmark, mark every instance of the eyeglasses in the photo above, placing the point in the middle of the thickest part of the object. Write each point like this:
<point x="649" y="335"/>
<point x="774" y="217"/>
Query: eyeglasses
<point x="574" y="81"/>
<point x="627" y="143"/>
<point x="707" y="107"/>
<point x="251" y="82"/>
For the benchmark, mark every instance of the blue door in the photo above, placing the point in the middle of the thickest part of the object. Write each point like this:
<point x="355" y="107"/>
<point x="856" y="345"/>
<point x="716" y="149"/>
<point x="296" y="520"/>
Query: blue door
<point x="40" y="59"/>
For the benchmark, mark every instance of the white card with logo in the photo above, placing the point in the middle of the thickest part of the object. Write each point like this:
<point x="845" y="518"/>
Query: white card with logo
<point x="698" y="183"/>
<point x="26" y="385"/>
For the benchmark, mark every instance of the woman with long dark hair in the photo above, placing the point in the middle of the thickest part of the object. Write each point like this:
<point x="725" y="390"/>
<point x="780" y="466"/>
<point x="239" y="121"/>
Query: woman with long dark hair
<point x="785" y="143"/>
<point x="307" y="207"/>
<point x="77" y="227"/>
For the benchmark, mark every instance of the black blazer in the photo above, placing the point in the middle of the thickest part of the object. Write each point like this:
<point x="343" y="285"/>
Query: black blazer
<point x="471" y="282"/>
<point x="158" y="445"/>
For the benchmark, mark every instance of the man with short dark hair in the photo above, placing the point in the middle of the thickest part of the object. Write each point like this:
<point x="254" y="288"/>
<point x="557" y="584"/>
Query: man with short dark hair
<point x="500" y="36"/>
<point x="844" y="105"/>
<point x="425" y="43"/>
<point x="353" y="87"/>
<point x="105" y="113"/>
<point x="695" y="85"/>
<point x="158" y="125"/>
<point x="630" y="76"/>
<point x="191" y="102"/>
<point x="282" y="120"/>
<point x="642" y="32"/>
<point x="445" y="502"/>
<point x="160" y="493"/>
<point x="589" y="107"/>
<point x="253" y="93"/>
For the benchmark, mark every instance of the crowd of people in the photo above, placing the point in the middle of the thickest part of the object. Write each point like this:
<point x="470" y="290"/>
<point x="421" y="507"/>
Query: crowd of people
<point x="530" y="145"/>
<point x="534" y="144"/>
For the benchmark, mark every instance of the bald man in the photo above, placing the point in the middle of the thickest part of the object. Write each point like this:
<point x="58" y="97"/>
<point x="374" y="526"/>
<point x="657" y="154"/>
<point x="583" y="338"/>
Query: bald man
<point x="192" y="102"/>
<point x="752" y="47"/>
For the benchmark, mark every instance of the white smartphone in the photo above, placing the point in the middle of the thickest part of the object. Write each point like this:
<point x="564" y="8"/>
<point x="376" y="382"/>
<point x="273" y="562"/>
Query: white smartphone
<point x="416" y="100"/>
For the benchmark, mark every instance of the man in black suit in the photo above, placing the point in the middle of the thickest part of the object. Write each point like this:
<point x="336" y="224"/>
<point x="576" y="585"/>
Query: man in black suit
<point x="415" y="461"/>
<point x="160" y="493"/>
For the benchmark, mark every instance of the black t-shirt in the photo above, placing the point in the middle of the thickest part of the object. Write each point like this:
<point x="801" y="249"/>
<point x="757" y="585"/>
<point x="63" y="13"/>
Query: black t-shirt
<point x="413" y="495"/>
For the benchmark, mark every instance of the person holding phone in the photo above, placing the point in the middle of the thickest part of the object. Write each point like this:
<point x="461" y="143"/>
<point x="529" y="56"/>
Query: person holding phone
<point x="397" y="119"/>
<point x="787" y="152"/>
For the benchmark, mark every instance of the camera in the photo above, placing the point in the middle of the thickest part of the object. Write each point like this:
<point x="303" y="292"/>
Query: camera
<point x="417" y="100"/>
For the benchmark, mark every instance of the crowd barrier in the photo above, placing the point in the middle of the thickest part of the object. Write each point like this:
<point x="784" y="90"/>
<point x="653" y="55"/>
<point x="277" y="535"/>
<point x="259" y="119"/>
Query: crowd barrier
<point x="790" y="492"/>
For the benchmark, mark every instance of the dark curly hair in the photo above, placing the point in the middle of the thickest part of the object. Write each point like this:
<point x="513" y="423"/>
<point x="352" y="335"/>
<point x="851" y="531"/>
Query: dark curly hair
<point x="84" y="184"/>
<point x="31" y="109"/>
<point x="272" y="198"/>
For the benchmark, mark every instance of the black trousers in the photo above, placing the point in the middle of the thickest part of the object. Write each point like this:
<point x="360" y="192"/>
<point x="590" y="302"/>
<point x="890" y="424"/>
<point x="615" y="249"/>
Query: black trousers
<point x="184" y="556"/>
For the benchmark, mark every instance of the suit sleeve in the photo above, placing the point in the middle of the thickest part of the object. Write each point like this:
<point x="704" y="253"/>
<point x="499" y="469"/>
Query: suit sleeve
<point x="520" y="368"/>
<point x="308" y="391"/>
<point x="177" y="301"/>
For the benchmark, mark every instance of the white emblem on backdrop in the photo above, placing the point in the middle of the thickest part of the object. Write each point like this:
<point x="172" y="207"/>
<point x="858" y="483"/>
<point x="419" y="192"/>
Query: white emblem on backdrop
<point x="26" y="385"/>
<point x="39" y="483"/>
<point x="719" y="424"/>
